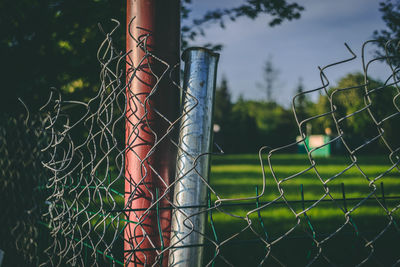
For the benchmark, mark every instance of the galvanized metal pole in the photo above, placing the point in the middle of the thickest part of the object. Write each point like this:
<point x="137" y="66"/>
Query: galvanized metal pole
<point x="193" y="162"/>
<point x="149" y="162"/>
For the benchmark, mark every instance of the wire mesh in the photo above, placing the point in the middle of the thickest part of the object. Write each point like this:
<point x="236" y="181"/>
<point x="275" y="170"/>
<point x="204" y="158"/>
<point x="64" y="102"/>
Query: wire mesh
<point x="91" y="192"/>
<point x="296" y="216"/>
<point x="21" y="179"/>
<point x="372" y="239"/>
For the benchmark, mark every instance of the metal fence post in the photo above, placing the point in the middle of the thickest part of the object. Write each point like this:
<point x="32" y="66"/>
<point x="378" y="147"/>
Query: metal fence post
<point x="193" y="162"/>
<point x="152" y="44"/>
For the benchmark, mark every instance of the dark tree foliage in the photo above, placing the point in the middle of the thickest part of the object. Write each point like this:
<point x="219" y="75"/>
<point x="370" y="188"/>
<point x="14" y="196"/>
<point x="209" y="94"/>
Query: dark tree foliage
<point x="279" y="10"/>
<point x="223" y="104"/>
<point x="244" y="133"/>
<point x="254" y="124"/>
<point x="53" y="43"/>
<point x="391" y="16"/>
<point x="360" y="127"/>
<point x="301" y="103"/>
<point x="223" y="116"/>
<point x="270" y="78"/>
<point x="48" y="43"/>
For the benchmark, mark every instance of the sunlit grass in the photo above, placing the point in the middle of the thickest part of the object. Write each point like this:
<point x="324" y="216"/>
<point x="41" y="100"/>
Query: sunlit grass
<point x="234" y="176"/>
<point x="327" y="204"/>
<point x="354" y="209"/>
<point x="239" y="176"/>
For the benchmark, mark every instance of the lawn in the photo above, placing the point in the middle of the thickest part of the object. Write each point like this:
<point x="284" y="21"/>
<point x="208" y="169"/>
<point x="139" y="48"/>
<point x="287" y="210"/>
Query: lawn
<point x="355" y="190"/>
<point x="280" y="229"/>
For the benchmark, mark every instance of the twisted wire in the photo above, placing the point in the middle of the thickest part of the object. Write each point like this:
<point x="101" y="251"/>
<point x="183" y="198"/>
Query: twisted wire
<point x="87" y="209"/>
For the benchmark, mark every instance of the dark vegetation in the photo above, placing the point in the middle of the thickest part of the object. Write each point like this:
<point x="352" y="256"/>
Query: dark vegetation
<point x="247" y="125"/>
<point x="53" y="43"/>
<point x="50" y="44"/>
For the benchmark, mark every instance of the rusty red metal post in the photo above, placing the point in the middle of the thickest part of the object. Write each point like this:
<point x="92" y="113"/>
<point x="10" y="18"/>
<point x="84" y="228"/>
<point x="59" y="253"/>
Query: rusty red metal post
<point x="150" y="158"/>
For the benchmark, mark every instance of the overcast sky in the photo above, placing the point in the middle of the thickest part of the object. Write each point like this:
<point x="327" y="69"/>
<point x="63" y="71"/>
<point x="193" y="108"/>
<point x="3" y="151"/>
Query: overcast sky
<point x="297" y="47"/>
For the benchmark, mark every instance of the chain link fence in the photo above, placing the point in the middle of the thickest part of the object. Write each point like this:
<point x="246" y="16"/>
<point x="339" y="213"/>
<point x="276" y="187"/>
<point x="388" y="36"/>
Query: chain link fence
<point x="21" y="182"/>
<point x="81" y="205"/>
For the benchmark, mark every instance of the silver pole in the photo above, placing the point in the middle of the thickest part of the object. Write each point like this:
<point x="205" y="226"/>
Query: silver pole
<point x="193" y="165"/>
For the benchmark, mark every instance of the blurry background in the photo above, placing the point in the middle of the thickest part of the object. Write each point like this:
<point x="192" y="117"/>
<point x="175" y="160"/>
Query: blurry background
<point x="270" y="50"/>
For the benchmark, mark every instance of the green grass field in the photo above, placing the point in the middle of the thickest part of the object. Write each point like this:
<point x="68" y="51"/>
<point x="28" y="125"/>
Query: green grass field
<point x="237" y="176"/>
<point x="314" y="234"/>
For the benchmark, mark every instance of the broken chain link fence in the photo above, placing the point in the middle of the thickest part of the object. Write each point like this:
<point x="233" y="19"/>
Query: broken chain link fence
<point x="83" y="210"/>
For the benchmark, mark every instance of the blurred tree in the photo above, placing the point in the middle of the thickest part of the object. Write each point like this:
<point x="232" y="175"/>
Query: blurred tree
<point x="223" y="105"/>
<point x="391" y="16"/>
<point x="48" y="43"/>
<point x="278" y="10"/>
<point x="320" y="124"/>
<point x="349" y="97"/>
<point x="301" y="103"/>
<point x="247" y="125"/>
<point x="273" y="125"/>
<point x="270" y="77"/>
<point x="244" y="135"/>
<point x="223" y="114"/>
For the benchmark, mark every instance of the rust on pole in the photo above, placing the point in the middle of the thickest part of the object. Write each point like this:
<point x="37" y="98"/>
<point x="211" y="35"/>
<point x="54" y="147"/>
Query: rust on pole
<point x="152" y="104"/>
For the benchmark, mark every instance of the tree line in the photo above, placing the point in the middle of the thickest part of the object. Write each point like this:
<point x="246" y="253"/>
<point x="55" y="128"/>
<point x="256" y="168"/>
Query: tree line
<point x="47" y="43"/>
<point x="245" y="126"/>
<point x="53" y="43"/>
